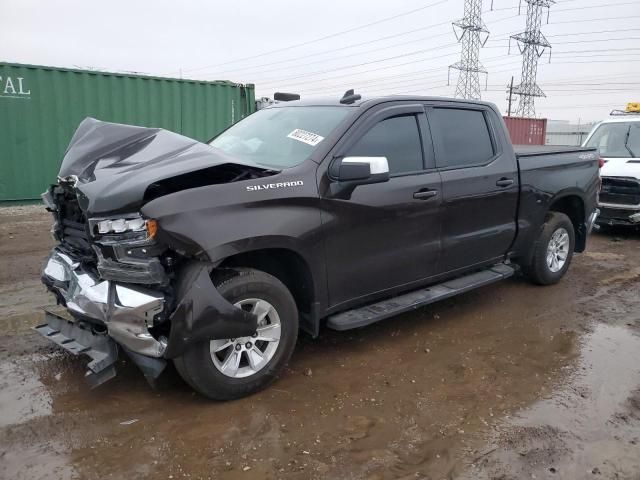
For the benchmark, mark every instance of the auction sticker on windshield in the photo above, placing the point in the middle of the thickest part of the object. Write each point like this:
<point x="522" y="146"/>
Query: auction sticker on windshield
<point x="306" y="137"/>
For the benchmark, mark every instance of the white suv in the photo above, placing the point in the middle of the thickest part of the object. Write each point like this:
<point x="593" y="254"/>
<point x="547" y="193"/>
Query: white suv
<point x="618" y="139"/>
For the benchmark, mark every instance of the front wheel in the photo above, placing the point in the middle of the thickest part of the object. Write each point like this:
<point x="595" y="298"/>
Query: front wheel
<point x="553" y="250"/>
<point x="225" y="369"/>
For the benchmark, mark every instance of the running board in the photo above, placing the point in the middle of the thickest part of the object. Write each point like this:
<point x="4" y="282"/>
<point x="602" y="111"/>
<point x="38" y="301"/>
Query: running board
<point x="375" y="312"/>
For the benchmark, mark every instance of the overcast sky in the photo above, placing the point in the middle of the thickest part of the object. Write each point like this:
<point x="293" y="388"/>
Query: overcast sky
<point x="279" y="45"/>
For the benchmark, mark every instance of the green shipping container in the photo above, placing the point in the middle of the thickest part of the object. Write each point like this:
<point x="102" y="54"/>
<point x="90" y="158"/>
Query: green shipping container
<point x="40" y="108"/>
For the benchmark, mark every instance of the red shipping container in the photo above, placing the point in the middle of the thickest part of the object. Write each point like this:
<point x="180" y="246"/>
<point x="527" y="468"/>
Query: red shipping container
<point x="527" y="131"/>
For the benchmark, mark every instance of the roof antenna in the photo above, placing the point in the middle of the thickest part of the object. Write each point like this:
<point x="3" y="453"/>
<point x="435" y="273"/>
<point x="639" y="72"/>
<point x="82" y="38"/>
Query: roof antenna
<point x="349" y="97"/>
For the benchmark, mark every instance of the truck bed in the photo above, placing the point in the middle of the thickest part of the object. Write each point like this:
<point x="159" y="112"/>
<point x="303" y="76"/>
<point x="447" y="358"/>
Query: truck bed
<point x="532" y="150"/>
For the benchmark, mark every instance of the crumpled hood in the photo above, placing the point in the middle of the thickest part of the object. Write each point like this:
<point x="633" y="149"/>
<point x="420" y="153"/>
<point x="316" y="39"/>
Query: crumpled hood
<point x="114" y="163"/>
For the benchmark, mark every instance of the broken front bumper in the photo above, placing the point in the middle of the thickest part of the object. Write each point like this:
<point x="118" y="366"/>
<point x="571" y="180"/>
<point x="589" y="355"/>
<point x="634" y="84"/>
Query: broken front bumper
<point x="81" y="339"/>
<point x="127" y="312"/>
<point x="110" y="313"/>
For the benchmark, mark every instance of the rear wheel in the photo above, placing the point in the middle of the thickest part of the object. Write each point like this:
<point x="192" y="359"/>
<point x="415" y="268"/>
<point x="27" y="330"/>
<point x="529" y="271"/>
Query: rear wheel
<point x="225" y="369"/>
<point x="553" y="250"/>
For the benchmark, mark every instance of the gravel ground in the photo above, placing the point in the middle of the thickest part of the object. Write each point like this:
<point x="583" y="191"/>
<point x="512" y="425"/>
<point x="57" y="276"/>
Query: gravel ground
<point x="508" y="382"/>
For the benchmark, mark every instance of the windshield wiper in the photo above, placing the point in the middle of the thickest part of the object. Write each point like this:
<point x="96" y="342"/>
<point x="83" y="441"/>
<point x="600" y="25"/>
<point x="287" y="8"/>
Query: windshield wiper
<point x="626" y="141"/>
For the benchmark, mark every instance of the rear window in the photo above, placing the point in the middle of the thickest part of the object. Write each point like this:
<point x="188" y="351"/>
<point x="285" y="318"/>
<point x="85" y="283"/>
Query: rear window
<point x="464" y="137"/>
<point x="617" y="140"/>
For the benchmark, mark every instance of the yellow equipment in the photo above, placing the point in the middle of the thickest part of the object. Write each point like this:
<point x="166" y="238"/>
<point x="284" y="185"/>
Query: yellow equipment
<point x="633" y="107"/>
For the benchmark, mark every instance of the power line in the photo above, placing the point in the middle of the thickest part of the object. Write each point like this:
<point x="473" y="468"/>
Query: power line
<point x="576" y="92"/>
<point x="387" y="85"/>
<point x="355" y="45"/>
<point x="628" y="17"/>
<point x="402" y="76"/>
<point x="407" y="83"/>
<point x="251" y="68"/>
<point x="554" y="84"/>
<point x="416" y="52"/>
<point x="491" y="60"/>
<point x="368" y="42"/>
<point x="371" y="70"/>
<point x="351" y="54"/>
<point x="401" y="34"/>
<point x="287" y="79"/>
<point x="586" y="7"/>
<point x="578" y="106"/>
<point x="332" y="35"/>
<point x="578" y="41"/>
<point x="498" y="39"/>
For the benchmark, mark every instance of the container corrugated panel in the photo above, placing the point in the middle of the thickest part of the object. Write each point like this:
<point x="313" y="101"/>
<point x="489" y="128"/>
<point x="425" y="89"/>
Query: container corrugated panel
<point x="526" y="131"/>
<point x="40" y="108"/>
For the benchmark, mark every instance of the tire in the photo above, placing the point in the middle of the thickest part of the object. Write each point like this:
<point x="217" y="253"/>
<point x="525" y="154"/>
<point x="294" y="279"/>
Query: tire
<point x="540" y="271"/>
<point x="203" y="370"/>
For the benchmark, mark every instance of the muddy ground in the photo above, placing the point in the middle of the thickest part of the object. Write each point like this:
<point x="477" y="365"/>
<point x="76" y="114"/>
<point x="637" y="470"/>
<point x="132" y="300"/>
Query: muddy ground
<point x="511" y="381"/>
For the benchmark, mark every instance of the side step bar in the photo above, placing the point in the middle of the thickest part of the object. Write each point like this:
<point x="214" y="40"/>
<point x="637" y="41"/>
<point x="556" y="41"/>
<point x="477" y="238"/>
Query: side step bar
<point x="375" y="312"/>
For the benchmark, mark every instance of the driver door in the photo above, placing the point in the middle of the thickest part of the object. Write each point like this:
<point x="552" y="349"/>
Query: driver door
<point x="385" y="236"/>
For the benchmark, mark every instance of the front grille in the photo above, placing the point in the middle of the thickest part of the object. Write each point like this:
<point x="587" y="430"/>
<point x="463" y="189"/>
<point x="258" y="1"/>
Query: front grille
<point x="72" y="229"/>
<point x="620" y="191"/>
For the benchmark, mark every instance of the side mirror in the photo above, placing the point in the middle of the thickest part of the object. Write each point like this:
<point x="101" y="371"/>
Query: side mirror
<point x="360" y="170"/>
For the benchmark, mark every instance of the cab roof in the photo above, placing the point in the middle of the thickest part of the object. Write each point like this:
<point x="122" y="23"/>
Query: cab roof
<point x="629" y="117"/>
<point x="370" y="101"/>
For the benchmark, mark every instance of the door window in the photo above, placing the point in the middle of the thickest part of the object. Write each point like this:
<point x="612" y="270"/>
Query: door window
<point x="463" y="135"/>
<point x="396" y="138"/>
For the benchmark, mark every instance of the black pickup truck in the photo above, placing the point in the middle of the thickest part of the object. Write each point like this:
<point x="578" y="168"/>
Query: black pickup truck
<point x="335" y="213"/>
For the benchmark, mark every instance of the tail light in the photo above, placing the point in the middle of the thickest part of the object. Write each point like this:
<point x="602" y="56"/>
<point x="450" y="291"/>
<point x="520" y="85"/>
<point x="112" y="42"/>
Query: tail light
<point x="601" y="162"/>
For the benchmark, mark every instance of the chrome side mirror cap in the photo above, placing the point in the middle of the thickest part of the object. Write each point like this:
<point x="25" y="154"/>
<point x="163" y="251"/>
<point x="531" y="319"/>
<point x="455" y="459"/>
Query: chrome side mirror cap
<point x="360" y="170"/>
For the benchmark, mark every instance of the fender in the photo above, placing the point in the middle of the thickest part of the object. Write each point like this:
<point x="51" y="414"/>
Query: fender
<point x="213" y="223"/>
<point x="202" y="313"/>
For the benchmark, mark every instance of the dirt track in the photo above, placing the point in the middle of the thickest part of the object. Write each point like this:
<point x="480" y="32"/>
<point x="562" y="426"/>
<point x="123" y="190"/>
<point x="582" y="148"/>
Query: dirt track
<point x="512" y="381"/>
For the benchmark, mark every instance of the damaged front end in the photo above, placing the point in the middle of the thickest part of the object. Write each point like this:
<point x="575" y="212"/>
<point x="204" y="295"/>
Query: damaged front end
<point x="124" y="288"/>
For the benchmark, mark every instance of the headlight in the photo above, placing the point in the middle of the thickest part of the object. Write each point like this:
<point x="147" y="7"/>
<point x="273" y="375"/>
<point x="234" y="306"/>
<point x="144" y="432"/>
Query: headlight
<point x="121" y="225"/>
<point x="136" y="226"/>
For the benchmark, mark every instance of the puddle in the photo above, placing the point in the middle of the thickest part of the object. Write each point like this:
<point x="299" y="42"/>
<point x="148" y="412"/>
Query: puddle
<point x="590" y="426"/>
<point x="623" y="276"/>
<point x="36" y="462"/>
<point x="22" y="396"/>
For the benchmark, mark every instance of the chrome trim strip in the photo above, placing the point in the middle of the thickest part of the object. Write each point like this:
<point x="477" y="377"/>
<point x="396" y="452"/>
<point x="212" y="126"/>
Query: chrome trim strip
<point x="592" y="220"/>
<point x="619" y="206"/>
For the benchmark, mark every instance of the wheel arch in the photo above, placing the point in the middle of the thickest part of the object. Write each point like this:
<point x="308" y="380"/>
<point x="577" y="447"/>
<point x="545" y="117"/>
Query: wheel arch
<point x="292" y="269"/>
<point x="573" y="206"/>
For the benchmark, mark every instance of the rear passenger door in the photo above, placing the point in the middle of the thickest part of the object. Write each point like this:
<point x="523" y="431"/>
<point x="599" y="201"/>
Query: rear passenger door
<point x="479" y="185"/>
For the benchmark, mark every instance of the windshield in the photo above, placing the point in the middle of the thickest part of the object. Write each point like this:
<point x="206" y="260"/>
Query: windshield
<point x="280" y="137"/>
<point x="620" y="139"/>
